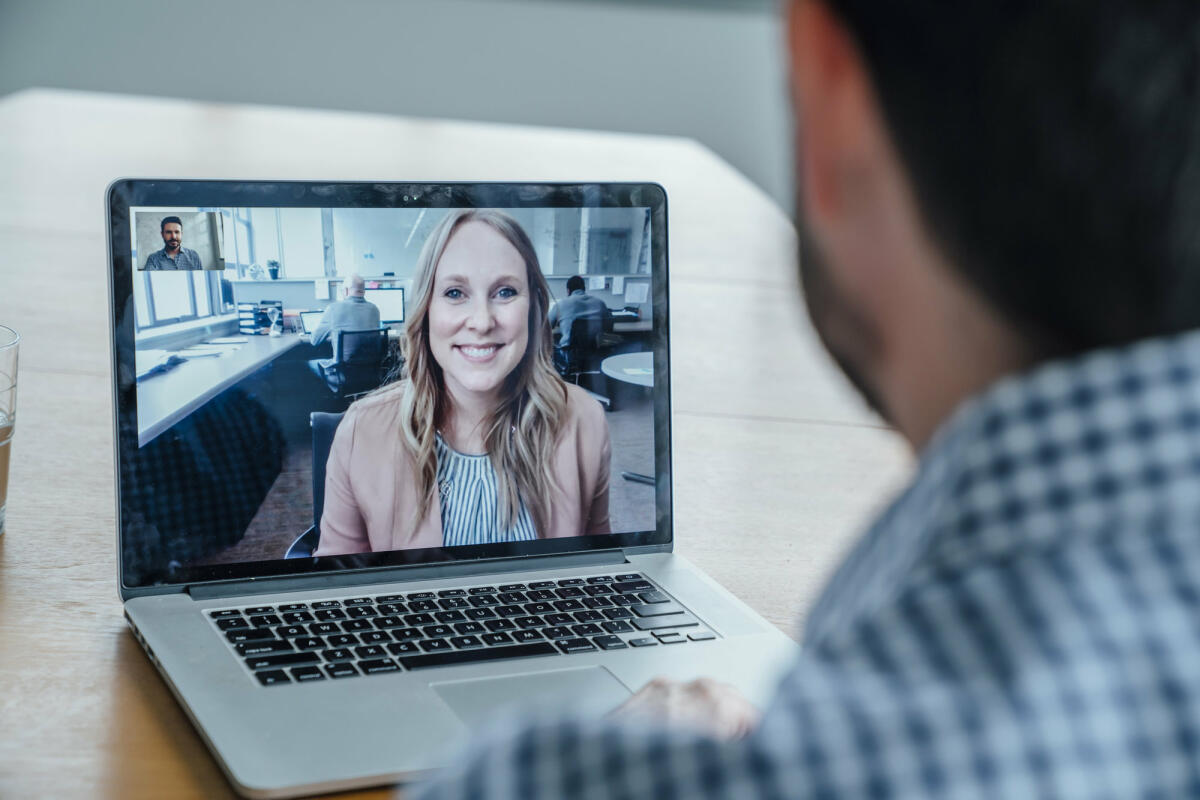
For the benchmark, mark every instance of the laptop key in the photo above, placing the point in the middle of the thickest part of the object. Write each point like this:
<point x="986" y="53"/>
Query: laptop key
<point x="568" y="605"/>
<point x="480" y="613"/>
<point x="281" y="660"/>
<point x="406" y="634"/>
<point x="589" y="616"/>
<point x="483" y="600"/>
<point x="390" y="598"/>
<point x="370" y="651"/>
<point x="466" y="642"/>
<point x="358" y="612"/>
<point x="469" y="627"/>
<point x="558" y="633"/>
<point x="600" y="579"/>
<point x="342" y="640"/>
<point x="324" y="628"/>
<point x="437" y="631"/>
<point x="530" y="622"/>
<point x="302" y="674"/>
<point x="701" y="636"/>
<point x="374" y="637"/>
<point x="539" y="595"/>
<point x="419" y="619"/>
<point x="598" y="589"/>
<point x="575" y="645"/>
<point x="541" y="584"/>
<point x="341" y="670"/>
<point x="571" y="582"/>
<point x="618" y="626"/>
<point x="569" y="591"/>
<point x="452" y="593"/>
<point x="482" y="654"/>
<point x="526" y="636"/>
<point x="586" y="629"/>
<point x="327" y="614"/>
<point x="233" y="623"/>
<point x="327" y="604"/>
<point x="449" y="616"/>
<point x="357" y="601"/>
<point x="673" y="621"/>
<point x="631" y="577"/>
<point x="308" y="643"/>
<point x="559" y="619"/>
<point x="378" y="665"/>
<point x="249" y="635"/>
<point x="356" y="625"/>
<point x="538" y="608"/>
<point x="482" y="590"/>
<point x="272" y="677"/>
<point x="496" y="638"/>
<point x="512" y="597"/>
<point x="383" y="623"/>
<point x="596" y="602"/>
<point x="623" y="600"/>
<point x="399" y="648"/>
<point x="423" y="605"/>
<point x="421" y="596"/>
<point x="654" y="596"/>
<point x="262" y="648"/>
<point x="293" y="606"/>
<point x="265" y="620"/>
<point x="510" y="611"/>
<point x="295" y="617"/>
<point x="229" y="612"/>
<point x="261" y="610"/>
<point x="643" y="641"/>
<point x="290" y="631"/>
<point x="610" y="642"/>
<point x="617" y="613"/>
<point x="434" y="645"/>
<point x="500" y="625"/>
<point x="338" y="654"/>
<point x="513" y="587"/>
<point x="671" y="637"/>
<point x="451" y="603"/>
<point x="656" y="610"/>
<point x="391" y="609"/>
<point x="625" y="587"/>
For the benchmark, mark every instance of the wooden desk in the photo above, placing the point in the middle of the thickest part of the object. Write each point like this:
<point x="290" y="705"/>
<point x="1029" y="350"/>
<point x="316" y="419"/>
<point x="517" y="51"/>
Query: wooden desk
<point x="777" y="464"/>
<point x="166" y="398"/>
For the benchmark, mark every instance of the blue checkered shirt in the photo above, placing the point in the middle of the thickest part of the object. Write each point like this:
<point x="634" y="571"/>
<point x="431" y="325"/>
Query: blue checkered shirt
<point x="1023" y="621"/>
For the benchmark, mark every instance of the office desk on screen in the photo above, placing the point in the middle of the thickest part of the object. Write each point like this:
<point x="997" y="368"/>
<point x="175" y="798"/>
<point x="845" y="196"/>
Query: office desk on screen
<point x="166" y="398"/>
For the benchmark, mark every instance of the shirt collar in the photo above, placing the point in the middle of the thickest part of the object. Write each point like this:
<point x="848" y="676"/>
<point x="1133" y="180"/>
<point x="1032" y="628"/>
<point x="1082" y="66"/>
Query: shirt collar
<point x="1099" y="444"/>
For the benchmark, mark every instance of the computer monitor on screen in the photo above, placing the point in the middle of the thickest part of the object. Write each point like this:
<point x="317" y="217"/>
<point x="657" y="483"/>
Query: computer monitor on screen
<point x="390" y="302"/>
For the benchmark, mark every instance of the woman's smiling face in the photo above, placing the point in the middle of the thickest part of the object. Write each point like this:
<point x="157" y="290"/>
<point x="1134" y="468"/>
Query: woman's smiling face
<point x="479" y="312"/>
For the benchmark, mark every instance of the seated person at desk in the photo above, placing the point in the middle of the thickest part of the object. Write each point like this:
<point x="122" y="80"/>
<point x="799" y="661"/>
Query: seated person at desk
<point x="577" y="304"/>
<point x="354" y="313"/>
<point x="482" y="442"/>
<point x="173" y="254"/>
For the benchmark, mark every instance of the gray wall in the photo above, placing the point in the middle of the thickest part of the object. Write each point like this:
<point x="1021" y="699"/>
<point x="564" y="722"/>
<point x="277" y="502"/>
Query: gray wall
<point x="708" y="69"/>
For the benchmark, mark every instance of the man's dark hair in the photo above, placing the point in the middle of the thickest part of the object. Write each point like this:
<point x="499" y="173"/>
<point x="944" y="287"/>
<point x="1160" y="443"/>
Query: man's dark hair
<point x="1054" y="148"/>
<point x="574" y="282"/>
<point x="165" y="220"/>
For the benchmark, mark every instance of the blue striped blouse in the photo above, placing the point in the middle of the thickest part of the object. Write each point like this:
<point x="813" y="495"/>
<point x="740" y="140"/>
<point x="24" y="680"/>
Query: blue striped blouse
<point x="467" y="490"/>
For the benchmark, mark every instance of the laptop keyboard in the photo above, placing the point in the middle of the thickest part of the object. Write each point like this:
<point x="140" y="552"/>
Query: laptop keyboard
<point x="371" y="635"/>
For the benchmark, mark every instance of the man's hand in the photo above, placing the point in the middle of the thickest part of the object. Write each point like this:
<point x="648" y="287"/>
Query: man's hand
<point x="704" y="704"/>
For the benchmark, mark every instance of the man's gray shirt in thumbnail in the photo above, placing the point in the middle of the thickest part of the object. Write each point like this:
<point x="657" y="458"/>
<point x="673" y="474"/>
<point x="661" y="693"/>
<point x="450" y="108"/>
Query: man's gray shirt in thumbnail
<point x="351" y="314"/>
<point x="187" y="259"/>
<point x="576" y="305"/>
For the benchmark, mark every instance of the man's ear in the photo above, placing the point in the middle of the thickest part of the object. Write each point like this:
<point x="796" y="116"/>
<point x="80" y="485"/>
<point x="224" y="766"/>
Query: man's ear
<point x="831" y="94"/>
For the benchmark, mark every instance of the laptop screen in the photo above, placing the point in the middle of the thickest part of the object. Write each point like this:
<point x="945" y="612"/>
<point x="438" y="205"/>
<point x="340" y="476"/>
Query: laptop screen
<point x="518" y="404"/>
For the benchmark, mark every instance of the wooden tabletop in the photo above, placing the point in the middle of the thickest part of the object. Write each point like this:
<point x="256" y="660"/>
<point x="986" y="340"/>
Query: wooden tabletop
<point x="777" y="464"/>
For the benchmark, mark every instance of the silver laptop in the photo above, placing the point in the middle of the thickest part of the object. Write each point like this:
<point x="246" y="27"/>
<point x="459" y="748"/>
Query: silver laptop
<point x="311" y="652"/>
<point x="309" y="320"/>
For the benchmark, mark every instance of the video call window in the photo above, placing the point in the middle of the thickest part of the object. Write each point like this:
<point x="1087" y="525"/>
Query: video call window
<point x="226" y="413"/>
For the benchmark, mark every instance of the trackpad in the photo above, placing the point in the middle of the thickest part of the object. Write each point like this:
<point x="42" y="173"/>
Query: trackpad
<point x="589" y="690"/>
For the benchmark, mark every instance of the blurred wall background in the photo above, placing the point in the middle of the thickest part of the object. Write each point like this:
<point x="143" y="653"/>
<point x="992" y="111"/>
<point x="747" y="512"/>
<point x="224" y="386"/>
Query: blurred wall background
<point x="711" y="70"/>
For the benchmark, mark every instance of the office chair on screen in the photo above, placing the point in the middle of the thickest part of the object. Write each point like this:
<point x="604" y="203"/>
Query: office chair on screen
<point x="579" y="356"/>
<point x="324" y="426"/>
<point x="357" y="365"/>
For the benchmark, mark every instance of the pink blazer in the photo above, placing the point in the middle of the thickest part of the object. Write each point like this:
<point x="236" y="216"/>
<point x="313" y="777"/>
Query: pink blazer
<point x="371" y="495"/>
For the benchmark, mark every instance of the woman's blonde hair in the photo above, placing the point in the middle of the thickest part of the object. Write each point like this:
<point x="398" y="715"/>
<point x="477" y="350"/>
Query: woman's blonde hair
<point x="523" y="429"/>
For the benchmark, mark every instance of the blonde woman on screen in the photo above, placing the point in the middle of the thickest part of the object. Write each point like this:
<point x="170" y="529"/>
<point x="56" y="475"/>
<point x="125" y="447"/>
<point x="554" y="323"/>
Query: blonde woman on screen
<point x="482" y="442"/>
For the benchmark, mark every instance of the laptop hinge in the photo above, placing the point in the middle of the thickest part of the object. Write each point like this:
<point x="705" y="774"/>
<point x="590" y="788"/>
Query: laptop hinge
<point x="293" y="583"/>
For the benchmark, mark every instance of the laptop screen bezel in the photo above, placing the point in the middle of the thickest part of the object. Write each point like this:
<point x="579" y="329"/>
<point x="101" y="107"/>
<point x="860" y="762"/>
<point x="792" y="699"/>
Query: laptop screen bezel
<point x="126" y="194"/>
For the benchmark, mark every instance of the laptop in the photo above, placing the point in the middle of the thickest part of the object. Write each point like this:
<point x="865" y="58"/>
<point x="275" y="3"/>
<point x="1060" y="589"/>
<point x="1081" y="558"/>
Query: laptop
<point x="311" y="661"/>
<point x="309" y="320"/>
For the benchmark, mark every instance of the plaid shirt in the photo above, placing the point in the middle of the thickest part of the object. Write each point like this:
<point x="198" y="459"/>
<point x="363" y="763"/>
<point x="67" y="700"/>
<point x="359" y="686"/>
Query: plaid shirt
<point x="1024" y="621"/>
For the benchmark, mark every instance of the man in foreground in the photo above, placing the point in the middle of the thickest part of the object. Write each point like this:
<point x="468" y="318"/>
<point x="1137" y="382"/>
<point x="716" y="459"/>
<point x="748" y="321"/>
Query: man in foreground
<point x="998" y="248"/>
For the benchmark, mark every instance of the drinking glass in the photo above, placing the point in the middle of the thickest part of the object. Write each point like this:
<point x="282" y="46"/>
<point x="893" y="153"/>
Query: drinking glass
<point x="9" y="339"/>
